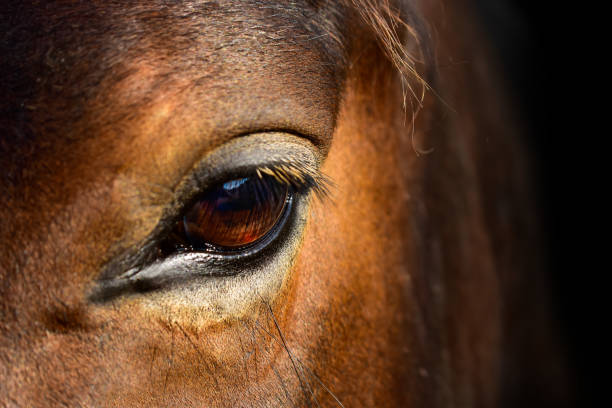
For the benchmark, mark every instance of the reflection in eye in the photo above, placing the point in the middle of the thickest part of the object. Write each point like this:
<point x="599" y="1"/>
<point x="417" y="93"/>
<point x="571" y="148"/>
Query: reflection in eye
<point x="234" y="214"/>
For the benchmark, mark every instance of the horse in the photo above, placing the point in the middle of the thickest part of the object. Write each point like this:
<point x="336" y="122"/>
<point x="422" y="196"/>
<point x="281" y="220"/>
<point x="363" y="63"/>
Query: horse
<point x="259" y="203"/>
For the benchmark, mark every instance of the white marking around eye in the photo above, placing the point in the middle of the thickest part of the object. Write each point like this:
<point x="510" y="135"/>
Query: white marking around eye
<point x="210" y="294"/>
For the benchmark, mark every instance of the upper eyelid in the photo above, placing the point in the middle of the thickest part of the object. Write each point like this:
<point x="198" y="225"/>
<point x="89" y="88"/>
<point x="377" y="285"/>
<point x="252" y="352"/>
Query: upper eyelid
<point x="248" y="153"/>
<point x="246" y="156"/>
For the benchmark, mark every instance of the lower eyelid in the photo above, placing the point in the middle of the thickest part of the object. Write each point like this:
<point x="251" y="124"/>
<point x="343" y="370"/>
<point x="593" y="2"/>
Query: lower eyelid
<point x="188" y="281"/>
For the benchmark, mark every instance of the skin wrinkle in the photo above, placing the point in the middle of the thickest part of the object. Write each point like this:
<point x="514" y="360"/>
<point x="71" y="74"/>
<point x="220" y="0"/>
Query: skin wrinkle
<point x="392" y="294"/>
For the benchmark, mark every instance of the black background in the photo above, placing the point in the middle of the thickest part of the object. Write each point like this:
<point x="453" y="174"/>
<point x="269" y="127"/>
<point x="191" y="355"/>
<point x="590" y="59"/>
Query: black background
<point x="543" y="55"/>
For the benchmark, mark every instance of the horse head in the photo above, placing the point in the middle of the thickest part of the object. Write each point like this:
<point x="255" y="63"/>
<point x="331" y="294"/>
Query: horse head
<point x="260" y="203"/>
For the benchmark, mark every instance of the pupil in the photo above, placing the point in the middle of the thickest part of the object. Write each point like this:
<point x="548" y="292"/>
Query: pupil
<point x="235" y="213"/>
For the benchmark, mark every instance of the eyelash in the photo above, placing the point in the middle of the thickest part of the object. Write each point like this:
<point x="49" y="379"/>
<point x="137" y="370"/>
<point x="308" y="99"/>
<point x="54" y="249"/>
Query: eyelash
<point x="301" y="178"/>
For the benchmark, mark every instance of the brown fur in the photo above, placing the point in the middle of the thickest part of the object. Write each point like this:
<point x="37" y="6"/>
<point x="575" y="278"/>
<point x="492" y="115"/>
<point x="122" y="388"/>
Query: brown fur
<point x="410" y="287"/>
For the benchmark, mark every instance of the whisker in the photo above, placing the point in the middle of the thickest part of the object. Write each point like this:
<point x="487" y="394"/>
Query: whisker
<point x="316" y="377"/>
<point x="308" y="384"/>
<point x="280" y="333"/>
<point x="310" y="372"/>
<point x="282" y="383"/>
<point x="257" y="346"/>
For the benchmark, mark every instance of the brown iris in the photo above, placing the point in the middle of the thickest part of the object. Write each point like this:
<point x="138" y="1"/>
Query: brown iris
<point x="234" y="214"/>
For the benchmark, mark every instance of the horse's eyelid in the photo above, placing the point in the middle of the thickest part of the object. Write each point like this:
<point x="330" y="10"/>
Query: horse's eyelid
<point x="290" y="164"/>
<point x="301" y="178"/>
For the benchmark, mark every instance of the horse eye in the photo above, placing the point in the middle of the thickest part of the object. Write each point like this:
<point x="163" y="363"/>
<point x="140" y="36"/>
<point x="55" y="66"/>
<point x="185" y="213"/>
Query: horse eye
<point x="233" y="215"/>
